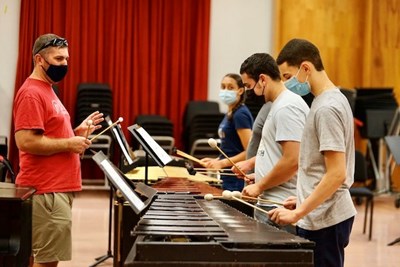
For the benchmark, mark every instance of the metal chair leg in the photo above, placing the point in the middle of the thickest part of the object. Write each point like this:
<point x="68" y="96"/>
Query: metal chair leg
<point x="371" y="200"/>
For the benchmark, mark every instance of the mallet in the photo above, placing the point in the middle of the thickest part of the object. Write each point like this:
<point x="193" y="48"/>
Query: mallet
<point x="263" y="200"/>
<point x="187" y="156"/>
<point x="213" y="143"/>
<point x="226" y="194"/>
<point x="120" y="119"/>
<point x="232" y="196"/>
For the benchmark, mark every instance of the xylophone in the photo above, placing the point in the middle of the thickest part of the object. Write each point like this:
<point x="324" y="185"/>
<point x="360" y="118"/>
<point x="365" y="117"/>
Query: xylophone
<point x="178" y="227"/>
<point x="183" y="230"/>
<point x="125" y="219"/>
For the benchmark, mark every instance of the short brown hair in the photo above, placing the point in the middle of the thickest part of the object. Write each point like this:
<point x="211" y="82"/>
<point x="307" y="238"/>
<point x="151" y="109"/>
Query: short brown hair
<point x="42" y="40"/>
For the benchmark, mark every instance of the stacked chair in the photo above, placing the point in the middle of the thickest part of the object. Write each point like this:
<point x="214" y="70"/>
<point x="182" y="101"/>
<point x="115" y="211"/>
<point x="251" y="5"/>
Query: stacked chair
<point x="90" y="98"/>
<point x="160" y="128"/>
<point x="93" y="97"/>
<point x="201" y="121"/>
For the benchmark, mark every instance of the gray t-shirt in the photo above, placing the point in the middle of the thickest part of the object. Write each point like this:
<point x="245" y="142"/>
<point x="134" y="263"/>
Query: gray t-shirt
<point x="329" y="127"/>
<point x="285" y="122"/>
<point x="257" y="130"/>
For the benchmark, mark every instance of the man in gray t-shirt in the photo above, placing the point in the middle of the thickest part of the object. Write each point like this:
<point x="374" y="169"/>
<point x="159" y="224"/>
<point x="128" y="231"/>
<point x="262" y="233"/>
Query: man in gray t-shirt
<point x="277" y="155"/>
<point x="324" y="211"/>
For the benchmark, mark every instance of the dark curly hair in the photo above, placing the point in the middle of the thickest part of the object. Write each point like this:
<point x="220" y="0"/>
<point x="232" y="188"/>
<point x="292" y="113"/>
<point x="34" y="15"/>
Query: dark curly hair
<point x="260" y="63"/>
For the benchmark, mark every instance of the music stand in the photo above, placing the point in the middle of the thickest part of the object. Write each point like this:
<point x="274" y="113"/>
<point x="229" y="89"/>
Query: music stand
<point x="375" y="107"/>
<point x="151" y="148"/>
<point x="118" y="136"/>
<point x="393" y="143"/>
<point x="128" y="190"/>
<point x="127" y="163"/>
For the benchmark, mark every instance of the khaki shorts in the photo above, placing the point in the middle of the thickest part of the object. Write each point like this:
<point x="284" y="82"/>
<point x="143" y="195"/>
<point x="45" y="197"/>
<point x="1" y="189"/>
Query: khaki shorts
<point x="51" y="227"/>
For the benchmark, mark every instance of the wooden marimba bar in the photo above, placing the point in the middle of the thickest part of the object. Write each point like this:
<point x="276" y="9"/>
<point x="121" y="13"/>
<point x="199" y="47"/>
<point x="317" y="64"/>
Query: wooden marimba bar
<point x="183" y="185"/>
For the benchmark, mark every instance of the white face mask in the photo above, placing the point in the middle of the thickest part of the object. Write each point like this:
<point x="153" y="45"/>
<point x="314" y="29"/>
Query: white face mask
<point x="228" y="97"/>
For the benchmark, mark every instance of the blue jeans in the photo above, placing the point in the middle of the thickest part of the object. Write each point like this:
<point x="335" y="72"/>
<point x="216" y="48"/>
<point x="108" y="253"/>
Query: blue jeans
<point x="232" y="183"/>
<point x="329" y="243"/>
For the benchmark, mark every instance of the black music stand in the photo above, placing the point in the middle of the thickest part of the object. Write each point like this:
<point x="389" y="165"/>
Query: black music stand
<point x="108" y="254"/>
<point x="110" y="204"/>
<point x="393" y="143"/>
<point x="151" y="148"/>
<point x="375" y="107"/>
<point x="127" y="162"/>
<point x="128" y="190"/>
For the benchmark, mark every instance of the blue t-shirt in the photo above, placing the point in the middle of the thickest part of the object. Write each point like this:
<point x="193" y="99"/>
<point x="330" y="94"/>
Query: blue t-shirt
<point x="231" y="144"/>
<point x="227" y="131"/>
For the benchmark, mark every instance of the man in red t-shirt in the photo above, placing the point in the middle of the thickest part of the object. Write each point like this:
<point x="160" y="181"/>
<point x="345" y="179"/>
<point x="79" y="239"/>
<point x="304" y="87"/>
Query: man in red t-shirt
<point x="49" y="151"/>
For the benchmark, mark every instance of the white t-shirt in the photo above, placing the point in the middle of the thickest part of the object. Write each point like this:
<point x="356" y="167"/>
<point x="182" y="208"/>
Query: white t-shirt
<point x="329" y="127"/>
<point x="285" y="122"/>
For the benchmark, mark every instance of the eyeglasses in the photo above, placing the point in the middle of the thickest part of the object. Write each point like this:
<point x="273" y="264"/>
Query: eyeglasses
<point x="55" y="42"/>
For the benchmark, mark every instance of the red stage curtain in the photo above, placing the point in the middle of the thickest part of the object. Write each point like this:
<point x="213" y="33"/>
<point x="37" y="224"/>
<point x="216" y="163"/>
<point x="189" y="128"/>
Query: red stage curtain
<point x="153" y="53"/>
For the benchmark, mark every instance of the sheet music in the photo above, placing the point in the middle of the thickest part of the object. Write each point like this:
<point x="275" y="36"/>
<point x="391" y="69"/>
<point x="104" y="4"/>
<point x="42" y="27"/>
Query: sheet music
<point x="158" y="150"/>
<point x="123" y="186"/>
<point x="122" y="146"/>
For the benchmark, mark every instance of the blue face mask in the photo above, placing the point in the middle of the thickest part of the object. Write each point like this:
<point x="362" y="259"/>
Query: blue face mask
<point x="297" y="87"/>
<point x="228" y="97"/>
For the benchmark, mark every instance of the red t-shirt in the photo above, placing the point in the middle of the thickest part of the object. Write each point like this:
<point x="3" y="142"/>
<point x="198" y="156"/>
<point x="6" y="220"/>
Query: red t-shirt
<point x="36" y="106"/>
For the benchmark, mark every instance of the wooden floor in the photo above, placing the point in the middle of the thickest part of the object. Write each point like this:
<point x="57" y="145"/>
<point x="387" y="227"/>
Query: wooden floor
<point x="90" y="233"/>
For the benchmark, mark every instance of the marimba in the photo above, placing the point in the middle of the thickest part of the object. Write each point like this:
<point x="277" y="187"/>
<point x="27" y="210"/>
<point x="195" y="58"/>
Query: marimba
<point x="125" y="219"/>
<point x="180" y="228"/>
<point x="183" y="230"/>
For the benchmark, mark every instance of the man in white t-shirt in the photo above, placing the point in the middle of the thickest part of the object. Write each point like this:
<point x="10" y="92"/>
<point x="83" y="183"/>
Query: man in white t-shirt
<point x="278" y="151"/>
<point x="324" y="211"/>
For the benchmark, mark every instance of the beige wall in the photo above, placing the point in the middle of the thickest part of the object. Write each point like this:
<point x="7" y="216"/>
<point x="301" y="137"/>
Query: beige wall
<point x="9" y="28"/>
<point x="359" y="40"/>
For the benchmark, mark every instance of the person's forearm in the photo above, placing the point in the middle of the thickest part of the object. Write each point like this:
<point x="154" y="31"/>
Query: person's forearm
<point x="42" y="145"/>
<point x="325" y="189"/>
<point x="282" y="172"/>
<point x="238" y="157"/>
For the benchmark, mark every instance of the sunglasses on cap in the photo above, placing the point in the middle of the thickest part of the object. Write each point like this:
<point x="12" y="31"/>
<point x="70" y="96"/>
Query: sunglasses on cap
<point x="55" y="42"/>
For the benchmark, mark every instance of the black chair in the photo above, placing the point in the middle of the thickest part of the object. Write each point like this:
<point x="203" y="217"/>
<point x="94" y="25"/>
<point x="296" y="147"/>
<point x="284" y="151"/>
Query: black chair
<point x="363" y="192"/>
<point x="5" y="164"/>
<point x="194" y="108"/>
<point x="200" y="122"/>
<point x="92" y="97"/>
<point x="160" y="128"/>
<point x="351" y="95"/>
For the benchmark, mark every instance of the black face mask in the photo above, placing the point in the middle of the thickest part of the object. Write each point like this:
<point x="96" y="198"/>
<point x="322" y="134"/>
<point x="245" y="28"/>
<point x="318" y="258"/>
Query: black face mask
<point x="253" y="97"/>
<point x="56" y="72"/>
